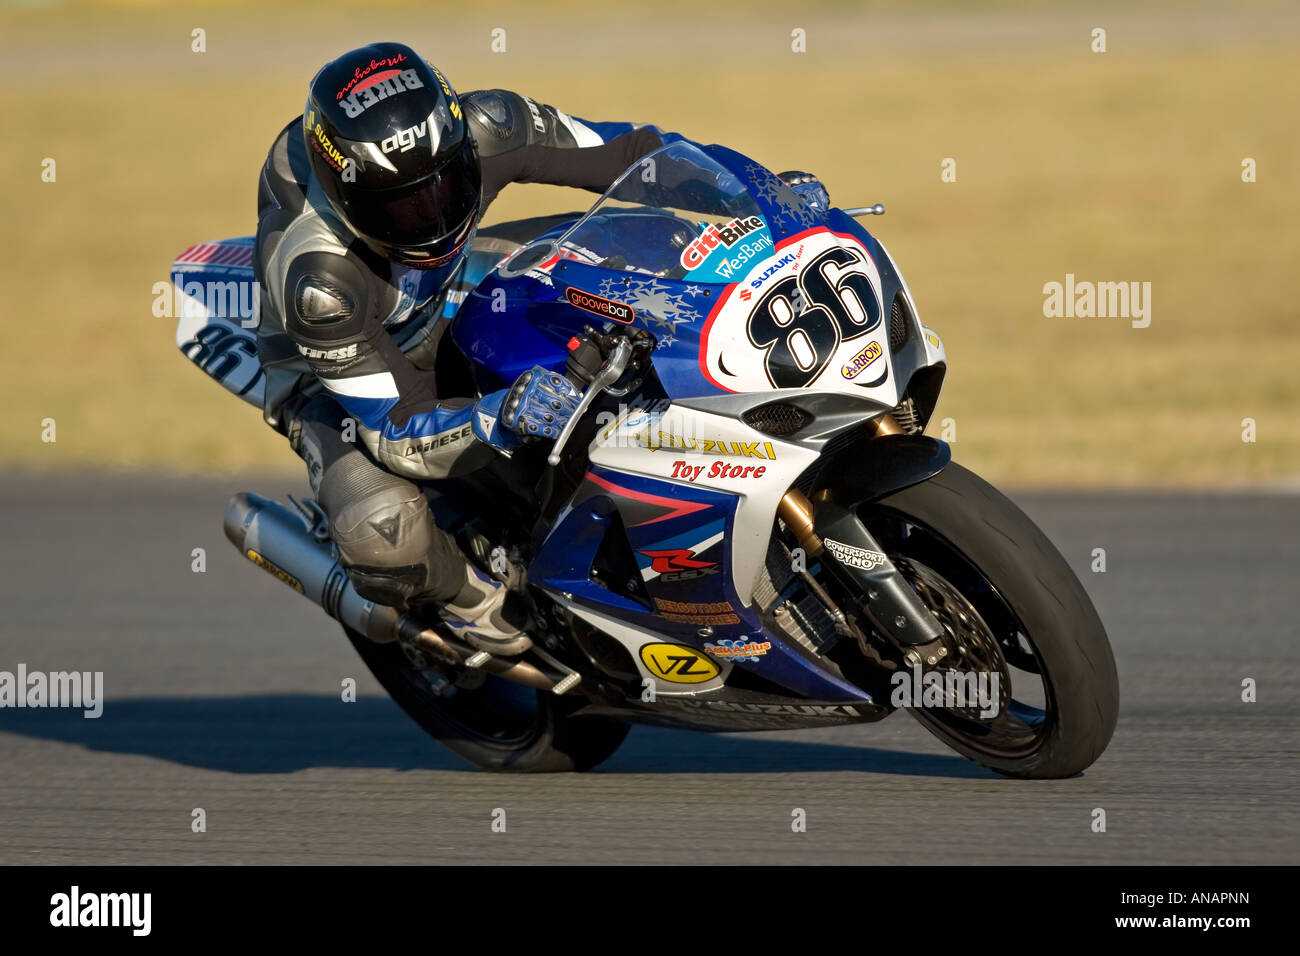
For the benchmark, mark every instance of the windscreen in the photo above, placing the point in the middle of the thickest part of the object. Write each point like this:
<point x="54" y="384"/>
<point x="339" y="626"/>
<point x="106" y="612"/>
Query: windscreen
<point x="676" y="214"/>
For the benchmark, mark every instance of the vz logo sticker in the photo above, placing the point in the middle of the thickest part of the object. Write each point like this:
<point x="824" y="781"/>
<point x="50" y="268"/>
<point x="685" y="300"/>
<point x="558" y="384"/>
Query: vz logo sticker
<point x="678" y="664"/>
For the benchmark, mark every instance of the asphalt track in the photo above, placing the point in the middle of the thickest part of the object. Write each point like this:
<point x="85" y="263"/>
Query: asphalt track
<point x="222" y="692"/>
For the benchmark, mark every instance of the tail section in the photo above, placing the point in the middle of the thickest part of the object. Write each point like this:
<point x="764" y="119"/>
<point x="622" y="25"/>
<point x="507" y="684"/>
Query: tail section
<point x="217" y="306"/>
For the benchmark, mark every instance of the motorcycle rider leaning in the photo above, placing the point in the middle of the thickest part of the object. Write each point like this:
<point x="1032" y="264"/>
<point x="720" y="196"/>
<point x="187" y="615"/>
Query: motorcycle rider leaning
<point x="367" y="211"/>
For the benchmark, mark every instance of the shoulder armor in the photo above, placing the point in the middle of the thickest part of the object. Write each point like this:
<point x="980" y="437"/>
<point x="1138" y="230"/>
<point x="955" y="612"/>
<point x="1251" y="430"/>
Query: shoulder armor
<point x="316" y="299"/>
<point x="501" y="120"/>
<point x="326" y="296"/>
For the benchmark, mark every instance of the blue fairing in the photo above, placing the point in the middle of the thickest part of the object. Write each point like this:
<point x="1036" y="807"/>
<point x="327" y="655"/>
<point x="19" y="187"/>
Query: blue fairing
<point x="667" y="272"/>
<point x="509" y="324"/>
<point x="660" y="518"/>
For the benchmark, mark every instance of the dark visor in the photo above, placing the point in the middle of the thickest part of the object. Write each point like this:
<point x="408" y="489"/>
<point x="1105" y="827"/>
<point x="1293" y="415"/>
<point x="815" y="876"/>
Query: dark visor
<point x="432" y="215"/>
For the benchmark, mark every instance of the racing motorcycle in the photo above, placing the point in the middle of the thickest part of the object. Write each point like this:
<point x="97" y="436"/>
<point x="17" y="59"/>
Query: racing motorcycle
<point x="744" y="527"/>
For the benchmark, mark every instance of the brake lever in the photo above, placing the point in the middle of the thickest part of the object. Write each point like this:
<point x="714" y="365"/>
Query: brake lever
<point x="610" y="371"/>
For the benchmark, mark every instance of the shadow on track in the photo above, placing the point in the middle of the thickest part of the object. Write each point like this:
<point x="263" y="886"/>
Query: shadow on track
<point x="287" y="732"/>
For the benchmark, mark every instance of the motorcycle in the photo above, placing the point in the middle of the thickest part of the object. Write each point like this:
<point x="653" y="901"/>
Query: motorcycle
<point x="744" y="527"/>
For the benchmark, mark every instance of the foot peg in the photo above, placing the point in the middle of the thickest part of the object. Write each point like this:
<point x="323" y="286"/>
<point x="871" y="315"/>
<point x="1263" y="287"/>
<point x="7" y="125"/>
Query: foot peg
<point x="482" y="659"/>
<point x="567" y="683"/>
<point x="571" y="678"/>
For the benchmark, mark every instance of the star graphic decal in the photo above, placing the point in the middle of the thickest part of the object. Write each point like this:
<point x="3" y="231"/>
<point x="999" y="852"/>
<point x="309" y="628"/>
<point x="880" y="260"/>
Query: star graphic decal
<point x="791" y="212"/>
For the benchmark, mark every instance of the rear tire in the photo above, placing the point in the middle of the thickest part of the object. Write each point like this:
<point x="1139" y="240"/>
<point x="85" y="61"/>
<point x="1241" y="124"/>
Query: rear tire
<point x="1029" y="578"/>
<point x="499" y="726"/>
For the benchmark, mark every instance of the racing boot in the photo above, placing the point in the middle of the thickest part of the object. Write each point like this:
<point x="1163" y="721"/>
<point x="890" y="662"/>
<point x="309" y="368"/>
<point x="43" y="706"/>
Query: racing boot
<point x="488" y="615"/>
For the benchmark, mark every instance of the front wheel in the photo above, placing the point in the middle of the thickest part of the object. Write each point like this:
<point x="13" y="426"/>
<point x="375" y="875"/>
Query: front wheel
<point x="493" y="723"/>
<point x="1009" y="605"/>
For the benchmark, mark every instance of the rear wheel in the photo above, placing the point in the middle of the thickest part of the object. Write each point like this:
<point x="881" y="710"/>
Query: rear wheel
<point x="493" y="723"/>
<point x="1009" y="605"/>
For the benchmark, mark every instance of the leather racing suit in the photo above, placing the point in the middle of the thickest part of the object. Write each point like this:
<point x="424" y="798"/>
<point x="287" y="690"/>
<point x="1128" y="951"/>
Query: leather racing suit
<point x="349" y="342"/>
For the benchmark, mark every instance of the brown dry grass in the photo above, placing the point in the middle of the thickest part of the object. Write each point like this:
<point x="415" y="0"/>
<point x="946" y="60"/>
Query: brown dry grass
<point x="1122" y="166"/>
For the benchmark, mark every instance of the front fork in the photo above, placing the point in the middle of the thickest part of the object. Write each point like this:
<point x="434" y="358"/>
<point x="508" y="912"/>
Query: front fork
<point x="837" y="535"/>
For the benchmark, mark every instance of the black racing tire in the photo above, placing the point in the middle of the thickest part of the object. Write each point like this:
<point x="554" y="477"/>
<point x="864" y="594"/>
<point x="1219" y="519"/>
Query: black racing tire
<point x="500" y="726"/>
<point x="1024" y="572"/>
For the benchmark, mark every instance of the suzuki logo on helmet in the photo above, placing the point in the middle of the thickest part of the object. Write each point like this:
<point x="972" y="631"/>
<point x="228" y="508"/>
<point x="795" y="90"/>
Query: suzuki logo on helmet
<point x="405" y="139"/>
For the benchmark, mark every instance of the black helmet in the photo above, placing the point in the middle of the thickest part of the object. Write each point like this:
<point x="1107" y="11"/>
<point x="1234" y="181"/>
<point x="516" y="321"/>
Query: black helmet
<point x="389" y="145"/>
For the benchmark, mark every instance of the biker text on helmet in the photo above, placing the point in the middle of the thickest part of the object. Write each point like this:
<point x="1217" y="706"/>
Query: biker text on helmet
<point x="386" y="85"/>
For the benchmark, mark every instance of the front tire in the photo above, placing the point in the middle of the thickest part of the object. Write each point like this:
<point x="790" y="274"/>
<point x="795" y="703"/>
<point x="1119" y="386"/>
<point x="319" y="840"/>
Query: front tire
<point x="958" y="536"/>
<point x="500" y="725"/>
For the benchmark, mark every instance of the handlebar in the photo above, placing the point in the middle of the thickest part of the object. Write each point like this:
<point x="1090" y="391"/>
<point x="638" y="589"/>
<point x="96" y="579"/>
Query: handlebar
<point x="610" y="372"/>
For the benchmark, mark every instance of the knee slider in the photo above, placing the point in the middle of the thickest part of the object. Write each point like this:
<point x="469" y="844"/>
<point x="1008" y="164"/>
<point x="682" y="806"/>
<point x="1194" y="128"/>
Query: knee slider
<point x="391" y="529"/>
<point x="383" y="530"/>
<point x="385" y="548"/>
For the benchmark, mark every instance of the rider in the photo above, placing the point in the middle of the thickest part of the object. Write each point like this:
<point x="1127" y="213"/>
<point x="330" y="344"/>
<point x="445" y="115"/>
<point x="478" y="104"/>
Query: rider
<point x="368" y="206"/>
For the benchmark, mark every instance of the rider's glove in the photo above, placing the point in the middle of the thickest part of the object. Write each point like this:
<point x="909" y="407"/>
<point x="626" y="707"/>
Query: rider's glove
<point x="539" y="404"/>
<point x="809" y="188"/>
<point x="486" y="420"/>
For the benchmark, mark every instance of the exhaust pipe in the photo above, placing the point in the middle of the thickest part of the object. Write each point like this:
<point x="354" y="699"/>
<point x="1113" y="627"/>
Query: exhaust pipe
<point x="284" y="543"/>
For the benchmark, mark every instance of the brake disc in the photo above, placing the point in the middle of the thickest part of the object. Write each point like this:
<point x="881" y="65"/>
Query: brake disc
<point x="971" y="645"/>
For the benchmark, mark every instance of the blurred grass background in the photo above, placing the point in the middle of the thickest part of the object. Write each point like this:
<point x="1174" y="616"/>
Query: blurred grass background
<point x="1122" y="166"/>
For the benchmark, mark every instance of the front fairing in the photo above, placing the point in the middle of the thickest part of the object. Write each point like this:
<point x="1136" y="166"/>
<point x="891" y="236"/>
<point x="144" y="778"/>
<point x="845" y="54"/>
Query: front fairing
<point x="751" y="297"/>
<point x="744" y="287"/>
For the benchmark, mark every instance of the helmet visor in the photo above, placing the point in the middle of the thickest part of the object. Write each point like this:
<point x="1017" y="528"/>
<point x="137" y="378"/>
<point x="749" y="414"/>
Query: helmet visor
<point x="427" y="220"/>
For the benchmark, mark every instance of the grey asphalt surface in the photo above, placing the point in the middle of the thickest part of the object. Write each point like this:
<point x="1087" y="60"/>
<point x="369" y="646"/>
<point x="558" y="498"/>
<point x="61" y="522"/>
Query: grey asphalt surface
<point x="223" y="692"/>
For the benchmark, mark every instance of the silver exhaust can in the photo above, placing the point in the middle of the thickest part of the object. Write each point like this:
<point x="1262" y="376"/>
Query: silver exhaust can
<point x="282" y="542"/>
